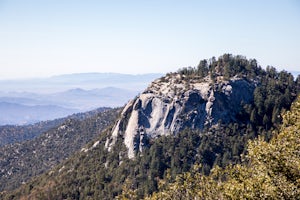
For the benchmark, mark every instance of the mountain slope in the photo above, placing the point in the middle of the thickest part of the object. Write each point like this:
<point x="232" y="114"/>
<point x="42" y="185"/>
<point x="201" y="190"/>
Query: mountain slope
<point x="21" y="161"/>
<point x="272" y="171"/>
<point x="213" y="121"/>
<point x="10" y="134"/>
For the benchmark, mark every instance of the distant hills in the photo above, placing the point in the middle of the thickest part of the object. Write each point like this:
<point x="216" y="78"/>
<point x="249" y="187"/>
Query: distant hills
<point x="32" y="100"/>
<point x="81" y="80"/>
<point x="13" y="113"/>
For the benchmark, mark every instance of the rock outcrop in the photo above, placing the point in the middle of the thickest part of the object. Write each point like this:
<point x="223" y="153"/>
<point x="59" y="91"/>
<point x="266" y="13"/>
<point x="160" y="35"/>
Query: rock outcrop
<point x="175" y="102"/>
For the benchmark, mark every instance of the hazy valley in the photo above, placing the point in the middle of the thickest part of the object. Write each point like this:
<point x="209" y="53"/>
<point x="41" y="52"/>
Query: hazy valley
<point x="33" y="100"/>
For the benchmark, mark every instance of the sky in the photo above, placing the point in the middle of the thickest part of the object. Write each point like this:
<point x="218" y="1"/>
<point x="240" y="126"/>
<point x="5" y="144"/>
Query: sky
<point x="51" y="37"/>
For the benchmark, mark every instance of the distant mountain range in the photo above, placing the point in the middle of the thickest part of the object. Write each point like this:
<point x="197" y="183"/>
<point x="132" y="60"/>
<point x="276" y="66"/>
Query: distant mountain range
<point x="85" y="81"/>
<point x="12" y="113"/>
<point x="32" y="100"/>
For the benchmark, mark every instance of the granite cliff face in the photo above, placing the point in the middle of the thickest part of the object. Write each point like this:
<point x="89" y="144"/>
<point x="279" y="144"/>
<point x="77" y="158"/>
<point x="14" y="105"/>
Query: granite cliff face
<point x="174" y="102"/>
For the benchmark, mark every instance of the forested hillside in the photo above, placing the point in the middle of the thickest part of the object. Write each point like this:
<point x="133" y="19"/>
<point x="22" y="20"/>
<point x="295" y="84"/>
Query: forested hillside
<point x="13" y="133"/>
<point x="214" y="134"/>
<point x="16" y="133"/>
<point x="19" y="162"/>
<point x="268" y="171"/>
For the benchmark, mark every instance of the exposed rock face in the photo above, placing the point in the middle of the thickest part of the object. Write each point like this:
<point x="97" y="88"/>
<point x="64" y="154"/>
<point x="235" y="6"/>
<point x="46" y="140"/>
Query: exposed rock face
<point x="172" y="103"/>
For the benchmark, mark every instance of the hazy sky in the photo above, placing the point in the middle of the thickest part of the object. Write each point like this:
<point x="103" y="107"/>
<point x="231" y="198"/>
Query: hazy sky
<point x="47" y="37"/>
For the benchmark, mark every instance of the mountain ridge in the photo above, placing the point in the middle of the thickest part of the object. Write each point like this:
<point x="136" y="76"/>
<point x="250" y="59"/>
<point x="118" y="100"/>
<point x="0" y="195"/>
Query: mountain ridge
<point x="127" y="158"/>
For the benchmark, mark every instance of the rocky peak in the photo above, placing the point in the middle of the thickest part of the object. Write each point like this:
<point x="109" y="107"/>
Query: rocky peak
<point x="175" y="102"/>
